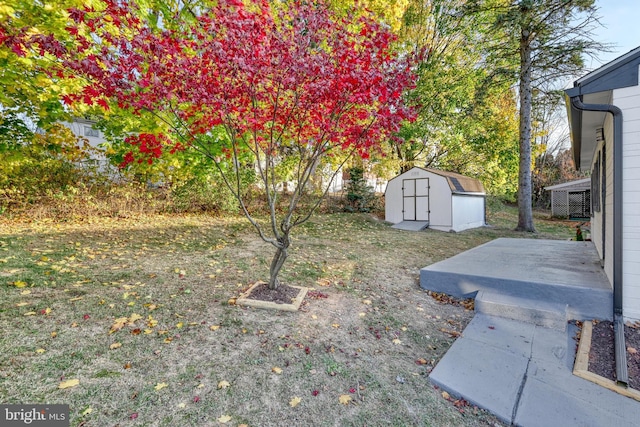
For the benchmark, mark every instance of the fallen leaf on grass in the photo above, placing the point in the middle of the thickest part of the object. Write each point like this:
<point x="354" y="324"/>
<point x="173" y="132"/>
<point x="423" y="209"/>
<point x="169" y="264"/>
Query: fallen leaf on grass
<point x="21" y="304"/>
<point x="446" y="395"/>
<point x="87" y="411"/>
<point x="25" y="292"/>
<point x="214" y="327"/>
<point x="366" y="302"/>
<point x="276" y="370"/>
<point x="345" y="399"/>
<point x="115" y="345"/>
<point x="223" y="384"/>
<point x="19" y="284"/>
<point x="224" y="419"/>
<point x="421" y="362"/>
<point x="30" y="313"/>
<point x="40" y="350"/>
<point x="452" y="333"/>
<point x="160" y="386"/>
<point x="294" y="402"/>
<point x="396" y="341"/>
<point x="632" y="350"/>
<point x="69" y="383"/>
<point x="336" y="325"/>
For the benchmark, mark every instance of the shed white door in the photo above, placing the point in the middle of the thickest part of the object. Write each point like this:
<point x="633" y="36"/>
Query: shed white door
<point x="415" y="199"/>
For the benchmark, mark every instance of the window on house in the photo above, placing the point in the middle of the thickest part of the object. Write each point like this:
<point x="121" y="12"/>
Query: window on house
<point x="595" y="186"/>
<point x="89" y="131"/>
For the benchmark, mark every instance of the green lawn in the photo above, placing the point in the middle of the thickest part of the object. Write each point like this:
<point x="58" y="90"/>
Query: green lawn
<point x="140" y="311"/>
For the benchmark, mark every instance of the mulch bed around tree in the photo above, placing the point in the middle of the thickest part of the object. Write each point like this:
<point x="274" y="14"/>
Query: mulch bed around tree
<point x="283" y="294"/>
<point x="602" y="353"/>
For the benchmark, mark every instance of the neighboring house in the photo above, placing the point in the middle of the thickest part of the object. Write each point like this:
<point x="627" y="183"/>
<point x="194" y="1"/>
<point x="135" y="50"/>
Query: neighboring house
<point x="571" y="199"/>
<point x="447" y="201"/>
<point x="604" y="116"/>
<point x="86" y="129"/>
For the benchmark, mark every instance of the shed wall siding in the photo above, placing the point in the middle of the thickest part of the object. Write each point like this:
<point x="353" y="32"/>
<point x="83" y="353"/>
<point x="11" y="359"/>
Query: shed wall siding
<point x="468" y="212"/>
<point x="628" y="99"/>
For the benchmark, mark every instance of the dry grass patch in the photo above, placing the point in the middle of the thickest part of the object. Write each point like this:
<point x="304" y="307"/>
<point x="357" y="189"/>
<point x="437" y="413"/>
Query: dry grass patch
<point x="137" y="310"/>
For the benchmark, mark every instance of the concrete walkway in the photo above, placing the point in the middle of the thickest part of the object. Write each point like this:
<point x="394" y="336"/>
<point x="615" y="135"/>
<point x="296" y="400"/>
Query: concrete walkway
<point x="522" y="373"/>
<point x="515" y="358"/>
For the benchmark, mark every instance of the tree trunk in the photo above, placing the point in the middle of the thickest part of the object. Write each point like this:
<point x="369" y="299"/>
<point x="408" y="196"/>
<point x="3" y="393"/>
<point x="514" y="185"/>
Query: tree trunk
<point x="525" y="211"/>
<point x="278" y="261"/>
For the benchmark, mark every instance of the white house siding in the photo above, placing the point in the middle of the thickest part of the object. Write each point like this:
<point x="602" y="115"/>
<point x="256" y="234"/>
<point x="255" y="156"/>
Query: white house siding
<point x="628" y="99"/>
<point x="468" y="212"/>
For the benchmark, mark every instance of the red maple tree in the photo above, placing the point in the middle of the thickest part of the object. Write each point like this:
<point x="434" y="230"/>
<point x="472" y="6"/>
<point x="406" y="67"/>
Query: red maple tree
<point x="290" y="82"/>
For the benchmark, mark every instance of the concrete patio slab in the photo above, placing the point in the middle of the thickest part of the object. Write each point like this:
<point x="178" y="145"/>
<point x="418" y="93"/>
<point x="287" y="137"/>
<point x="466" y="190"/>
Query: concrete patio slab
<point x="563" y="272"/>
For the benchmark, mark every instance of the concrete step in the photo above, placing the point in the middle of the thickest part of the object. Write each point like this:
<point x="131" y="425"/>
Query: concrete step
<point x="540" y="313"/>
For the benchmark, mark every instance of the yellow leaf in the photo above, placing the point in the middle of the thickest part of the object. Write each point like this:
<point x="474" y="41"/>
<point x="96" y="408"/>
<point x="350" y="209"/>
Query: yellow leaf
<point x="30" y="313"/>
<point x="22" y="304"/>
<point x="366" y="302"/>
<point x="276" y="370"/>
<point x="214" y="327"/>
<point x="25" y="292"/>
<point x="179" y="325"/>
<point x="313" y="316"/>
<point x="148" y="331"/>
<point x="69" y="383"/>
<point x="47" y="310"/>
<point x="336" y="325"/>
<point x="223" y="384"/>
<point x="294" y="402"/>
<point x="131" y="304"/>
<point x="396" y="341"/>
<point x="40" y="350"/>
<point x="224" y="419"/>
<point x="19" y="284"/>
<point x="115" y="345"/>
<point x="87" y="411"/>
<point x="182" y="405"/>
<point x="54" y="334"/>
<point x="362" y="314"/>
<point x="345" y="399"/>
<point x="160" y="386"/>
<point x="446" y="395"/>
<point x="76" y="299"/>
<point x="118" y="324"/>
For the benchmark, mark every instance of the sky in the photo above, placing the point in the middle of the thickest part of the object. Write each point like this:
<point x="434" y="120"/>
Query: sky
<point x="621" y="26"/>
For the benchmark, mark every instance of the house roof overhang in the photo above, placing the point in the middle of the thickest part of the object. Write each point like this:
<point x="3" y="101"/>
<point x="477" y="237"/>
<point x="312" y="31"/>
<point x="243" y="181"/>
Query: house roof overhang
<point x="597" y="88"/>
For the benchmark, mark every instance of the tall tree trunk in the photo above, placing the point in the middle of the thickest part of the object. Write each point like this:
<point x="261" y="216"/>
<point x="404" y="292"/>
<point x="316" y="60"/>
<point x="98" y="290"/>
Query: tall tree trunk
<point x="525" y="211"/>
<point x="278" y="261"/>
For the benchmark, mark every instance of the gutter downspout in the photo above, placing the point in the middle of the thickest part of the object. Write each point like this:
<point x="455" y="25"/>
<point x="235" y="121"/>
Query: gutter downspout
<point x="622" y="374"/>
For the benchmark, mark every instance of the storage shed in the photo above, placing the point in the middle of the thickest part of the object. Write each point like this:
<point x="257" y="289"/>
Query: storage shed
<point x="445" y="201"/>
<point x="571" y="199"/>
